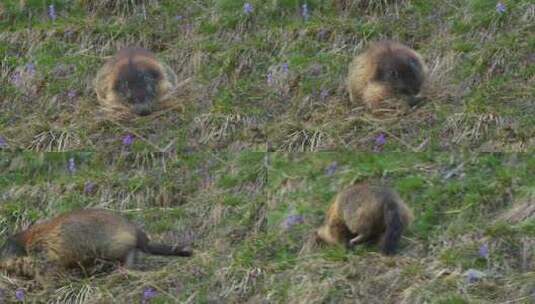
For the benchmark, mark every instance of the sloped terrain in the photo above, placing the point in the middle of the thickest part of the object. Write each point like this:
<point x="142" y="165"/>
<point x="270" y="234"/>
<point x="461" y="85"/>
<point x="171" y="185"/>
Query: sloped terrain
<point x="250" y="216"/>
<point x="269" y="71"/>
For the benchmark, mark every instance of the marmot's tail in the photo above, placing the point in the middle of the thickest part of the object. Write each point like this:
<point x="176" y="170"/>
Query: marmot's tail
<point x="160" y="249"/>
<point x="393" y="224"/>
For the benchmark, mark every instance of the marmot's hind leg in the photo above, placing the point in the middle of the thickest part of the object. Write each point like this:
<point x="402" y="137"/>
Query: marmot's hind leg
<point x="131" y="259"/>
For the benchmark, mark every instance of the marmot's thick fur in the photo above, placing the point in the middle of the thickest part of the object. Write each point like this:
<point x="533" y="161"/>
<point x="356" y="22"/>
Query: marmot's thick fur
<point x="363" y="213"/>
<point x="79" y="239"/>
<point x="134" y="82"/>
<point x="384" y="70"/>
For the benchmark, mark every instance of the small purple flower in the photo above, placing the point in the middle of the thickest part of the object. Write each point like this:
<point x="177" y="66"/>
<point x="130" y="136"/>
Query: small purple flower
<point x="324" y="94"/>
<point x="89" y="187"/>
<point x="304" y="12"/>
<point x="501" y="8"/>
<point x="19" y="294"/>
<point x="484" y="251"/>
<point x="71" y="94"/>
<point x="16" y="79"/>
<point x="30" y="68"/>
<point x="331" y="169"/>
<point x="2" y="295"/>
<point x="473" y="275"/>
<point x="292" y="220"/>
<point x="3" y="143"/>
<point x="380" y="141"/>
<point x="148" y="294"/>
<point x="270" y="78"/>
<point x="247" y="8"/>
<point x="128" y="140"/>
<point x="178" y="17"/>
<point x="71" y="165"/>
<point x="52" y="12"/>
<point x="285" y="67"/>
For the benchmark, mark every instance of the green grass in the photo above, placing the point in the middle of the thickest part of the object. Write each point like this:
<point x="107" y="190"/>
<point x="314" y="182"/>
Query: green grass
<point x="232" y="207"/>
<point x="201" y="174"/>
<point x="479" y="95"/>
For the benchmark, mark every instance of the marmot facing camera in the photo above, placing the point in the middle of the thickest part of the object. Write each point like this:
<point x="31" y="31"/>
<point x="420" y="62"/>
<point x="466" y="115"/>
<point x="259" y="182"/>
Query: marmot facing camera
<point x="366" y="213"/>
<point x="80" y="238"/>
<point x="134" y="81"/>
<point x="386" y="69"/>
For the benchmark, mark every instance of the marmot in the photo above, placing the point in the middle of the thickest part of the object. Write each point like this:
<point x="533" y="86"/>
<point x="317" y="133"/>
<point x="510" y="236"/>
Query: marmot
<point x="384" y="70"/>
<point x="78" y="239"/>
<point x="365" y="212"/>
<point x="134" y="81"/>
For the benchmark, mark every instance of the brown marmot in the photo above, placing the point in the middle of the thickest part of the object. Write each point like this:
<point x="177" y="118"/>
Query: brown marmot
<point x="134" y="82"/>
<point x="366" y="213"/>
<point x="79" y="239"/>
<point x="384" y="70"/>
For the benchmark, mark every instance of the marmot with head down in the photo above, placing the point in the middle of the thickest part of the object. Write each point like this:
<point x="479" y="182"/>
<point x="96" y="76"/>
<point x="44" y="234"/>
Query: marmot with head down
<point x="384" y="70"/>
<point x="366" y="213"/>
<point x="79" y="239"/>
<point x="134" y="82"/>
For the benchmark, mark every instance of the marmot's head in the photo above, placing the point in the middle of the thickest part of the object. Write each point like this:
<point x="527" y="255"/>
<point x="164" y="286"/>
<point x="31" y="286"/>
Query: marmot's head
<point x="11" y="250"/>
<point x="402" y="71"/>
<point x="137" y="84"/>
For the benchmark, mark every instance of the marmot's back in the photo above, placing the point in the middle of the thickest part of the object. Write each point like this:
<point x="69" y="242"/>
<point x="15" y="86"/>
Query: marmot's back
<point x="365" y="212"/>
<point x="83" y="235"/>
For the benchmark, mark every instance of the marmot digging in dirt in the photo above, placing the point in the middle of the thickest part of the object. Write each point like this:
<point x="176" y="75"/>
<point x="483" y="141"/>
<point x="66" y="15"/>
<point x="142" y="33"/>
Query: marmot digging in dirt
<point x="79" y="239"/>
<point x="134" y="81"/>
<point x="363" y="213"/>
<point x="384" y="70"/>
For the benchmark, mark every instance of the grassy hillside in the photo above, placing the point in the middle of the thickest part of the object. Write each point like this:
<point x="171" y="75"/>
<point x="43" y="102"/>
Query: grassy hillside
<point x="272" y="71"/>
<point x="249" y="217"/>
<point x="210" y="201"/>
<point x="269" y="75"/>
<point x="473" y="212"/>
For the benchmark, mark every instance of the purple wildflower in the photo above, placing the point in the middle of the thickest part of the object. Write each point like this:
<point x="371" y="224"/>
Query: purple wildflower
<point x="178" y="17"/>
<point x="52" y="12"/>
<point x="128" y="140"/>
<point x="89" y="188"/>
<point x="324" y="94"/>
<point x="71" y="94"/>
<point x="148" y="294"/>
<point x="484" y="251"/>
<point x="30" y="68"/>
<point x="304" y="12"/>
<point x="2" y="295"/>
<point x="331" y="169"/>
<point x="3" y="143"/>
<point x="473" y="275"/>
<point x="247" y="8"/>
<point x="293" y="220"/>
<point x="71" y="165"/>
<point x="285" y="67"/>
<point x="19" y="294"/>
<point x="270" y="78"/>
<point x="16" y="79"/>
<point x="380" y="141"/>
<point x="501" y="8"/>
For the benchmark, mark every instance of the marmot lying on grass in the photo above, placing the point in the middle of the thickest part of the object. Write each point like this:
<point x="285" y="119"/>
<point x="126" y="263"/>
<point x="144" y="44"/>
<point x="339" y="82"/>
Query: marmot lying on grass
<point x="134" y="81"/>
<point x="365" y="212"/>
<point x="78" y="239"/>
<point x="384" y="70"/>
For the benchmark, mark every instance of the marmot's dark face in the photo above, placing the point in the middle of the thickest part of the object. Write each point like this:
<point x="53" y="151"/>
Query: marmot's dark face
<point x="404" y="75"/>
<point x="139" y="88"/>
<point x="10" y="250"/>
